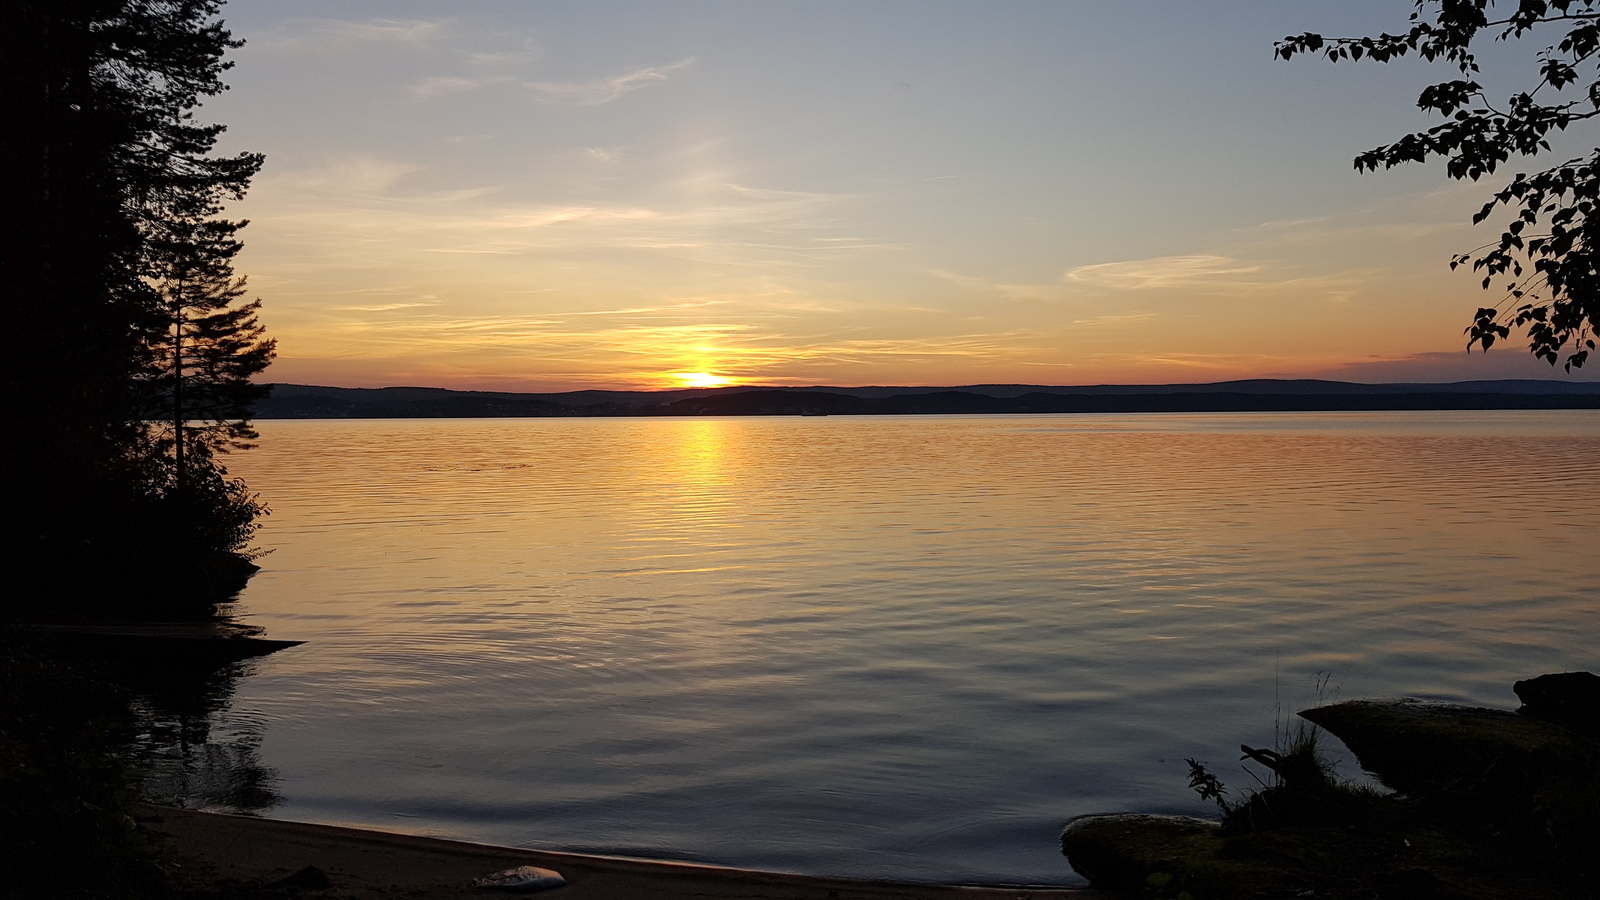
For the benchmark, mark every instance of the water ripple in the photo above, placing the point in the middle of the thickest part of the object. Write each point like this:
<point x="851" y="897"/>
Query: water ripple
<point x="889" y="647"/>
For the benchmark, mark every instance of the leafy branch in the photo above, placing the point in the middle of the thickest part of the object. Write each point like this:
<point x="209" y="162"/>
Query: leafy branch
<point x="1554" y="291"/>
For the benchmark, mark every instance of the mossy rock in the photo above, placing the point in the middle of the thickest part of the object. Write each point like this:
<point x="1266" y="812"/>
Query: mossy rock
<point x="1568" y="699"/>
<point x="1488" y="805"/>
<point x="1482" y="764"/>
<point x="1394" y="857"/>
<point x="1163" y="856"/>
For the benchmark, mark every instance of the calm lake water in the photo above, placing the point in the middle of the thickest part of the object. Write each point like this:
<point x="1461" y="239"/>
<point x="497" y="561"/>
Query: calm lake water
<point x="897" y="647"/>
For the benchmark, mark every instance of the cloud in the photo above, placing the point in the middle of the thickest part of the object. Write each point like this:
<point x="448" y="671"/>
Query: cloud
<point x="385" y="307"/>
<point x="1160" y="271"/>
<point x="572" y="214"/>
<point x="587" y="93"/>
<point x="746" y="349"/>
<point x="390" y="234"/>
<point x="1159" y="281"/>
<point x="604" y="90"/>
<point x="675" y="308"/>
<point x="455" y="84"/>
<point x="1000" y="289"/>
<point x="1112" y="320"/>
<point x="528" y="52"/>
<point x="324" y="35"/>
<point x="356" y="174"/>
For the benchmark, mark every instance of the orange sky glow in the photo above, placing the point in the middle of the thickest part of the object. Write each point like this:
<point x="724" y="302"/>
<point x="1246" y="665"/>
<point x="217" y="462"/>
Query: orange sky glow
<point x="637" y="195"/>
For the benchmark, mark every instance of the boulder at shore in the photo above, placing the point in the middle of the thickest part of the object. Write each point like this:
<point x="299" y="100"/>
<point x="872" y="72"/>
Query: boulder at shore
<point x="1487" y="803"/>
<point x="1568" y="699"/>
<point x="1489" y="762"/>
<point x="1121" y="852"/>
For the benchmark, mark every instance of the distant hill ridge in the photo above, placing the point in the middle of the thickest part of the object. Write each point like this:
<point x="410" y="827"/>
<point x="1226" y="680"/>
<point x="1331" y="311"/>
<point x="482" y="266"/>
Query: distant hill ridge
<point x="299" y="401"/>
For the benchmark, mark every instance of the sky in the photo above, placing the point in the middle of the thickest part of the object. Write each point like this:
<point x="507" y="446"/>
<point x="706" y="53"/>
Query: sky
<point x="543" y="195"/>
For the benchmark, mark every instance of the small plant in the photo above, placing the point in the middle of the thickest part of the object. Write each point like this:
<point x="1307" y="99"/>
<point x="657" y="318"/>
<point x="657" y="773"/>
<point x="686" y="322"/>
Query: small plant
<point x="1300" y="783"/>
<point x="1207" y="785"/>
<point x="1297" y="764"/>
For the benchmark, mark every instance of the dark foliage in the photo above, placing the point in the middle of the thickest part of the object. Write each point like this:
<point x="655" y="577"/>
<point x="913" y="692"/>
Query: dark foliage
<point x="89" y="726"/>
<point x="201" y="346"/>
<point x="1207" y="785"/>
<point x="1549" y="253"/>
<point x="111" y="248"/>
<point x="66" y="800"/>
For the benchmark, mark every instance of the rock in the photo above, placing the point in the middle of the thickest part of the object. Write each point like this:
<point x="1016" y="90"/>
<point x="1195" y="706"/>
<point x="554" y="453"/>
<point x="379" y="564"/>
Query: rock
<point x="522" y="880"/>
<point x="1121" y="852"/>
<point x="310" y="878"/>
<point x="1568" y="699"/>
<point x="1489" y="803"/>
<point x="1491" y="763"/>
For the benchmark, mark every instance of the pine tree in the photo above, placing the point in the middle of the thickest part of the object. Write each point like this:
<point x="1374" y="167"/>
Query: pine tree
<point x="200" y="353"/>
<point x="197" y="377"/>
<point x="113" y="192"/>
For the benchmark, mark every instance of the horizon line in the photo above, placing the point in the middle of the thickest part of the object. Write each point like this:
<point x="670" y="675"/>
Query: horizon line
<point x="950" y="387"/>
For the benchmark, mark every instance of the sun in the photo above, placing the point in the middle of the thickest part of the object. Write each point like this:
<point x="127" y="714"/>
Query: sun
<point x="701" y="379"/>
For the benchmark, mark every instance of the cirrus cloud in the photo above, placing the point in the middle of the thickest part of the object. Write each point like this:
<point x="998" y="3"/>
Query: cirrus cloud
<point x="576" y="93"/>
<point x="1160" y="271"/>
<point x="330" y="35"/>
<point x="604" y="90"/>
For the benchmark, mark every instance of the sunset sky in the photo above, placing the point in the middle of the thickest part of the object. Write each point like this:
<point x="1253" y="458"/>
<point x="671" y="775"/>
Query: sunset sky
<point x="530" y="195"/>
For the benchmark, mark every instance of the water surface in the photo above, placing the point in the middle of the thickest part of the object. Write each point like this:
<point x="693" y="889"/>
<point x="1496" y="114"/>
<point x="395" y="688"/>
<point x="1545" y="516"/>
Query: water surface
<point x="904" y="647"/>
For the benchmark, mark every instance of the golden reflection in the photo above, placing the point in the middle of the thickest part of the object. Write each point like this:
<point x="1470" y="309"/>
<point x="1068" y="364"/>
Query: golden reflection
<point x="700" y="452"/>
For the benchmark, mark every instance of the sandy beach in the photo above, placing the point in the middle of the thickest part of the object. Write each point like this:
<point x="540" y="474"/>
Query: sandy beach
<point x="242" y="856"/>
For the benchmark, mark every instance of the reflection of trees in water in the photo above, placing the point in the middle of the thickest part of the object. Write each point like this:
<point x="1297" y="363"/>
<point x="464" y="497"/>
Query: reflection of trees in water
<point x="190" y="748"/>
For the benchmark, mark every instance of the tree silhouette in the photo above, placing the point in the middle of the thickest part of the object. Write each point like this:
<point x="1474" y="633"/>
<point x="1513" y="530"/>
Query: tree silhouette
<point x="113" y="192"/>
<point x="1551" y="247"/>
<point x="203" y="346"/>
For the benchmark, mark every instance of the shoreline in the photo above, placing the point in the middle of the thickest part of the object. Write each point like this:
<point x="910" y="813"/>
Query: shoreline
<point x="304" y="401"/>
<point x="221" y="854"/>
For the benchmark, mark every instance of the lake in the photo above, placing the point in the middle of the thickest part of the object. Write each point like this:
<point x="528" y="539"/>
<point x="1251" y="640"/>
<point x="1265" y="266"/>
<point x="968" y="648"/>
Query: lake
<point x="897" y="647"/>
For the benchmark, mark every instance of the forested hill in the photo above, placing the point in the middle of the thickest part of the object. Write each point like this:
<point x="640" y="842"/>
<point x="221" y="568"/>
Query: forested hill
<point x="297" y="401"/>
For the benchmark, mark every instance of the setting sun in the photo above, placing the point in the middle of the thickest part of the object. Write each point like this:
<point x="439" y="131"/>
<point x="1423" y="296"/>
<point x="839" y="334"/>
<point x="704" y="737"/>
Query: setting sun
<point x="701" y="379"/>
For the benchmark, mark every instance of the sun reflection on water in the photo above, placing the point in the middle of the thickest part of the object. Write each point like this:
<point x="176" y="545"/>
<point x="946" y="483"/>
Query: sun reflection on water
<point x="901" y="647"/>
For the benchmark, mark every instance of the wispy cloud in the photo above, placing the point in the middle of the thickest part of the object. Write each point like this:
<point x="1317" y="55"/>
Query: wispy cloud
<point x="584" y="93"/>
<point x="440" y="85"/>
<point x="324" y="35"/>
<point x="1162" y="280"/>
<point x="1113" y="320"/>
<point x="527" y="52"/>
<point x="386" y="307"/>
<point x="1160" y="272"/>
<point x="558" y="215"/>
<point x="357" y="216"/>
<point x="604" y="90"/>
<point x="1004" y="290"/>
<point x="673" y="308"/>
<point x="755" y="349"/>
<point x="355" y="174"/>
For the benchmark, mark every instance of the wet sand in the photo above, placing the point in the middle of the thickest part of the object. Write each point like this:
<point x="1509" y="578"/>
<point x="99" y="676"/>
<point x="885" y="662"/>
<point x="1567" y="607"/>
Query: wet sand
<point x="243" y="856"/>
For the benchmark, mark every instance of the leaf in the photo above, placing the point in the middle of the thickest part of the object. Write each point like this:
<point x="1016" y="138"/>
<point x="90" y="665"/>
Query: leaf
<point x="1477" y="138"/>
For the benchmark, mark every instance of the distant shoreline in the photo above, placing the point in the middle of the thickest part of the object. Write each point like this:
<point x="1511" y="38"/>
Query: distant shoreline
<point x="296" y="401"/>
